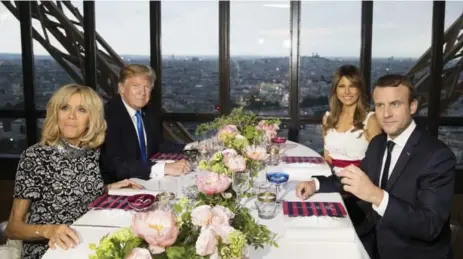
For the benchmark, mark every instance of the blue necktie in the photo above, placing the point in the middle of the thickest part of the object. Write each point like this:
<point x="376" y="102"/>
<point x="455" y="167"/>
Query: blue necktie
<point x="141" y="136"/>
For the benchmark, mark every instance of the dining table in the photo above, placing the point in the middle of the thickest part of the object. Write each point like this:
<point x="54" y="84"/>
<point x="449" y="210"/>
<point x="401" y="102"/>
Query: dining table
<point x="297" y="237"/>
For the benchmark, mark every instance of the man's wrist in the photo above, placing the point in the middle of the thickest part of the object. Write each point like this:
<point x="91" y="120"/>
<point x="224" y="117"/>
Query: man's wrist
<point x="377" y="196"/>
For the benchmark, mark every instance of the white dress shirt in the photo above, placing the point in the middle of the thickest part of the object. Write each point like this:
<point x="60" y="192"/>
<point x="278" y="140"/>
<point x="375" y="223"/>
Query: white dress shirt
<point x="157" y="170"/>
<point x="400" y="142"/>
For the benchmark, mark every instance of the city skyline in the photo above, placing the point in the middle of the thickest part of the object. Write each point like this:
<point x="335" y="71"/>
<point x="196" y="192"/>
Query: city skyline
<point x="257" y="28"/>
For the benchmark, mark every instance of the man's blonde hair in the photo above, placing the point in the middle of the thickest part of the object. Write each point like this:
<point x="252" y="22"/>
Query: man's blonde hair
<point x="137" y="70"/>
<point x="94" y="136"/>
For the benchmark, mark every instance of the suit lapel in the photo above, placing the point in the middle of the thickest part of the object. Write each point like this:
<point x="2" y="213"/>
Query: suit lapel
<point x="404" y="158"/>
<point x="128" y="125"/>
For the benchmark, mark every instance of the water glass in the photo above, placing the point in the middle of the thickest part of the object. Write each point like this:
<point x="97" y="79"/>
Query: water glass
<point x="266" y="201"/>
<point x="240" y="183"/>
<point x="165" y="201"/>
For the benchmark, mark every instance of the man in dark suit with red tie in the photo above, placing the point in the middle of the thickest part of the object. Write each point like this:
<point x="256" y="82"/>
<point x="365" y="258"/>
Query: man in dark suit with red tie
<point x="400" y="196"/>
<point x="133" y="135"/>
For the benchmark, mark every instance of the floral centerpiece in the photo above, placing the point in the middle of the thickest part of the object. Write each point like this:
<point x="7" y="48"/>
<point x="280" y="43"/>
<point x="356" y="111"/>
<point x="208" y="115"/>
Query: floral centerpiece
<point x="212" y="226"/>
<point x="244" y="139"/>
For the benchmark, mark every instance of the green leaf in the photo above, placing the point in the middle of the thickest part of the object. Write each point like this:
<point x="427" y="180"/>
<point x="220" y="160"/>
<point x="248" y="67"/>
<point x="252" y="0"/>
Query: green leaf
<point x="175" y="252"/>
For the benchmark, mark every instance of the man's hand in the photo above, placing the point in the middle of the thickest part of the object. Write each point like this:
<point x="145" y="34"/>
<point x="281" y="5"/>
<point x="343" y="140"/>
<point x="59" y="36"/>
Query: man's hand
<point x="305" y="189"/>
<point x="127" y="183"/>
<point x="177" y="168"/>
<point x="359" y="184"/>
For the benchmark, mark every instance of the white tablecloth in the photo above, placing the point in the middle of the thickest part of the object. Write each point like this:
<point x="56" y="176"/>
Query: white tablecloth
<point x="305" y="237"/>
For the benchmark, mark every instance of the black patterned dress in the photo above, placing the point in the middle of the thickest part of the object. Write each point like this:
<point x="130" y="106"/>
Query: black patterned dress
<point x="61" y="181"/>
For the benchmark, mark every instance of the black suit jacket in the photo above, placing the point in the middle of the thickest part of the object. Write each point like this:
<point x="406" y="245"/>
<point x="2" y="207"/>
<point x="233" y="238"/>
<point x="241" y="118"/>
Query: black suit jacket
<point x="420" y="187"/>
<point x="120" y="153"/>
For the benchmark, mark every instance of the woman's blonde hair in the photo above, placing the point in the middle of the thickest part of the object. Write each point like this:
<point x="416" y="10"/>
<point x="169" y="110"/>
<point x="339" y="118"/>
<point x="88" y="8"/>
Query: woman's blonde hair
<point x="356" y="78"/>
<point x="94" y="135"/>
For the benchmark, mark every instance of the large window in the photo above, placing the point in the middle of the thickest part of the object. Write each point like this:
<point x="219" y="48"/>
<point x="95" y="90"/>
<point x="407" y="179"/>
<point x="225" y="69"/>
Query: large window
<point x="190" y="48"/>
<point x="452" y="98"/>
<point x="311" y="136"/>
<point x="323" y="24"/>
<point x="401" y="34"/>
<point x="453" y="137"/>
<point x="125" y="26"/>
<point x="259" y="50"/>
<point x="12" y="135"/>
<point x="49" y="74"/>
<point x="11" y="85"/>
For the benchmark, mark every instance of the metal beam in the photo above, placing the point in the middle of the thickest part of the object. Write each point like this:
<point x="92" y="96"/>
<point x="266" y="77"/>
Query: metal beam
<point x="224" y="56"/>
<point x="366" y="42"/>
<point x="90" y="44"/>
<point x="156" y="59"/>
<point x="28" y="67"/>
<point x="295" y="20"/>
<point x="437" y="44"/>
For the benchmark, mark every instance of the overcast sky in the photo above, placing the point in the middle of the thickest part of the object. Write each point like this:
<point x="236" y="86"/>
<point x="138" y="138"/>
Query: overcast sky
<point x="329" y="28"/>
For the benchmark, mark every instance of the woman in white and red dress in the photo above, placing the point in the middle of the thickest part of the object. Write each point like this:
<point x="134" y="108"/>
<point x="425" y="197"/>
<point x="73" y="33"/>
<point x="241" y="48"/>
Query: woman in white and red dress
<point x="349" y="125"/>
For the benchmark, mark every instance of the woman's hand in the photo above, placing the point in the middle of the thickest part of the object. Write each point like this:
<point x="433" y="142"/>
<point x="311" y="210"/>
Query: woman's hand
<point x="61" y="236"/>
<point x="124" y="184"/>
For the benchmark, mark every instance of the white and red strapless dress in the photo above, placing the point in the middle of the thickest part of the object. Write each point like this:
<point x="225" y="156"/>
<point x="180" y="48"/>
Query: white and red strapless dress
<point x="346" y="148"/>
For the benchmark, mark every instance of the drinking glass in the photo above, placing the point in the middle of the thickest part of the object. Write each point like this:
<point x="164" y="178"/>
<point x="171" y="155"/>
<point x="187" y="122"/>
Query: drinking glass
<point x="240" y="183"/>
<point x="278" y="177"/>
<point x="266" y="201"/>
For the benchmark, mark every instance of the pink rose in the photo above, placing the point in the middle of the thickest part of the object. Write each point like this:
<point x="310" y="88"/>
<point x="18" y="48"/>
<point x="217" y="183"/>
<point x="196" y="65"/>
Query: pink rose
<point x="201" y="215"/>
<point x="157" y="228"/>
<point x="212" y="183"/>
<point x="236" y="163"/>
<point x="228" y="153"/>
<point x="204" y="215"/>
<point x="139" y="253"/>
<point x="222" y="231"/>
<point x="227" y="130"/>
<point x="221" y="215"/>
<point x="206" y="244"/>
<point x="256" y="153"/>
<point x="269" y="129"/>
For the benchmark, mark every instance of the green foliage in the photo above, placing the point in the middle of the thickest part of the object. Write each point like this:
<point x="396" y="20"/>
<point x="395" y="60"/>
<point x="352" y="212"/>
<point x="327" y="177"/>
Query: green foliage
<point x="237" y="117"/>
<point x="245" y="121"/>
<point x="117" y="245"/>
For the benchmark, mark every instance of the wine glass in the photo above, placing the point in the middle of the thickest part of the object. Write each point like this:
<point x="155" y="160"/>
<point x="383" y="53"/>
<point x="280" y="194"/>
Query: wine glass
<point x="240" y="183"/>
<point x="278" y="177"/>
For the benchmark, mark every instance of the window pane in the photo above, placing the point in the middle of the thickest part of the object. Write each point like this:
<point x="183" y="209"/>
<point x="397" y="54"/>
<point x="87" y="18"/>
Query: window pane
<point x="12" y="136"/>
<point x="39" y="128"/>
<point x="259" y="50"/>
<point x="190" y="47"/>
<point x="11" y="84"/>
<point x="323" y="24"/>
<point x="453" y="137"/>
<point x="311" y="136"/>
<point x="401" y="34"/>
<point x="128" y="36"/>
<point x="452" y="100"/>
<point x="49" y="74"/>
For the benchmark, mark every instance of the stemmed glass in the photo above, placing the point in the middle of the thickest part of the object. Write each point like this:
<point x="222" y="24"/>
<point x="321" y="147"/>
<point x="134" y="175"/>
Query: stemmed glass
<point x="278" y="177"/>
<point x="240" y="183"/>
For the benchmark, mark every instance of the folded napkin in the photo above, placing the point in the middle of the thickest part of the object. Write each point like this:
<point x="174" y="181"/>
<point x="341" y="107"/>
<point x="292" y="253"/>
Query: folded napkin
<point x="168" y="156"/>
<point x="297" y="208"/>
<point x="107" y="201"/>
<point x="130" y="191"/>
<point x="303" y="159"/>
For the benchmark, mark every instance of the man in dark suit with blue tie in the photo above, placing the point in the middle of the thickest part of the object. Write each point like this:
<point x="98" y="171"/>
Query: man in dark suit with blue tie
<point x="133" y="135"/>
<point x="400" y="197"/>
